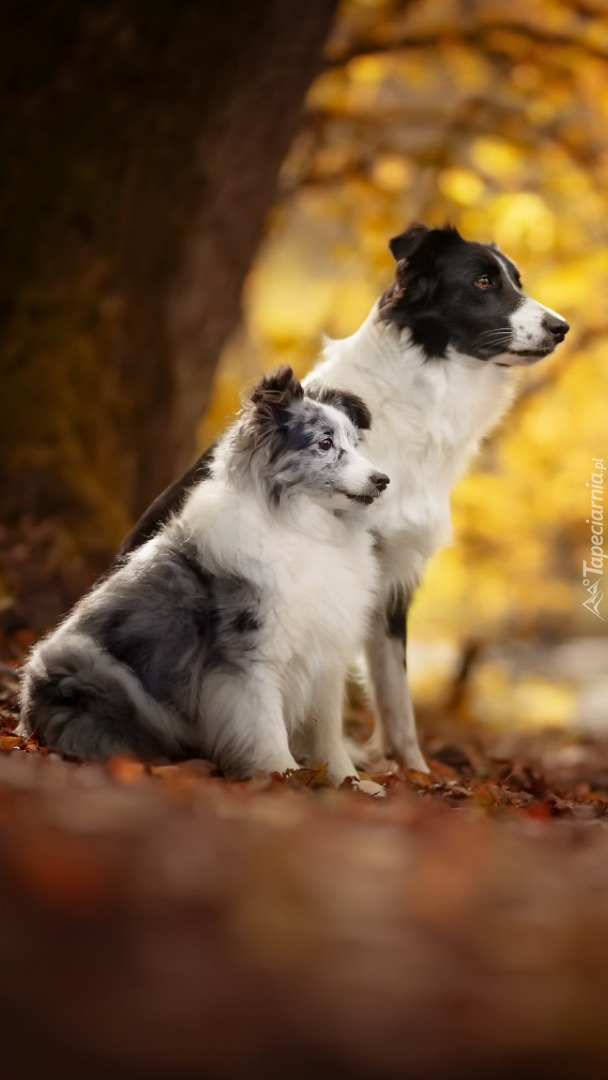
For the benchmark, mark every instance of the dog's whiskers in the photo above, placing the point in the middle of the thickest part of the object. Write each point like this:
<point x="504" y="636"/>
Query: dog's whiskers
<point x="499" y="334"/>
<point x="493" y="339"/>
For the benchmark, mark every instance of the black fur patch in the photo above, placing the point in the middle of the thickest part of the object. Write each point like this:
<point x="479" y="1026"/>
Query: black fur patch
<point x="396" y="620"/>
<point x="246" y="621"/>
<point x="351" y="404"/>
<point x="296" y="433"/>
<point x="395" y="613"/>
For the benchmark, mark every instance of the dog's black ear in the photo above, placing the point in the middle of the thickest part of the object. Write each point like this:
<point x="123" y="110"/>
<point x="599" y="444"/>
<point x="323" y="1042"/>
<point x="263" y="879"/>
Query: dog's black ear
<point x="354" y="406"/>
<point x="414" y="274"/>
<point x="418" y="237"/>
<point x="277" y="390"/>
<point x="408" y="242"/>
<point x="412" y="298"/>
<point x="416" y="281"/>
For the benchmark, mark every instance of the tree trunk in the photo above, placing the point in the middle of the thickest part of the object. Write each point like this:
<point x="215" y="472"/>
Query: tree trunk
<point x="142" y="143"/>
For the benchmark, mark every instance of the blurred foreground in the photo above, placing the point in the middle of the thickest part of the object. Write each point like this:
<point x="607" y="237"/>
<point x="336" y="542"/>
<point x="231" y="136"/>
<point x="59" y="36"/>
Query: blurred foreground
<point x="163" y="922"/>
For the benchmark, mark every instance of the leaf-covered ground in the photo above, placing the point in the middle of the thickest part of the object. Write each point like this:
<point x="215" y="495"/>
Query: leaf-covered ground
<point x="164" y="922"/>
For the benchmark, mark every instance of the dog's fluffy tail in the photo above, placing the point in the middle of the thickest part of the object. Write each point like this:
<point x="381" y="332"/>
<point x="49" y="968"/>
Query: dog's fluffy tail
<point x="80" y="700"/>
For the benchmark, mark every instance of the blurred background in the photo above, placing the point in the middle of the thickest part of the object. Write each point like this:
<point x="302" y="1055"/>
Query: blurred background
<point x="191" y="196"/>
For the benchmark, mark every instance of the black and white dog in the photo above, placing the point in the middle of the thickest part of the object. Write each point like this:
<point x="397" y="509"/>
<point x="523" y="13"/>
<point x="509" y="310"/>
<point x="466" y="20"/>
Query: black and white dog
<point x="434" y="363"/>
<point x="229" y="633"/>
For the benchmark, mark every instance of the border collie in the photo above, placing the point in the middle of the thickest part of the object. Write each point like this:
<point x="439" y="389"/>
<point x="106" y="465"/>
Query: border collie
<point x="228" y="634"/>
<point x="434" y="362"/>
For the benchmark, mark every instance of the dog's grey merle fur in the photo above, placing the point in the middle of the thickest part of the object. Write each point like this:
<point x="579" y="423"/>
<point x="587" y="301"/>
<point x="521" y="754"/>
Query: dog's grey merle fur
<point x="228" y="634"/>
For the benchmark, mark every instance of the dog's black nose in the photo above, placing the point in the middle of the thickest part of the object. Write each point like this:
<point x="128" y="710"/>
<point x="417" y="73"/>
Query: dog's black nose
<point x="380" y="480"/>
<point x="556" y="326"/>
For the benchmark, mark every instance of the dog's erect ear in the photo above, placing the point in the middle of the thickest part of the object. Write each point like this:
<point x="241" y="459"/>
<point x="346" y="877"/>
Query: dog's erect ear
<point x="412" y="298"/>
<point x="413" y="240"/>
<point x="416" y="281"/>
<point x="277" y="390"/>
<point x="408" y="242"/>
<point x="354" y="407"/>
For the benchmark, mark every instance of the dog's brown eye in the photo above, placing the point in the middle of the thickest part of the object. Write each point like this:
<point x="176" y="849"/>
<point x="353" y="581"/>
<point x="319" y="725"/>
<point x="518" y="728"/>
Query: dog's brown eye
<point x="484" y="282"/>
<point x="326" y="443"/>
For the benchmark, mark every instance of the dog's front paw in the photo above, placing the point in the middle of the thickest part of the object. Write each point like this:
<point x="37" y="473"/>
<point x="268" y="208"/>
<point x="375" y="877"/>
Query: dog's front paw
<point x="369" y="787"/>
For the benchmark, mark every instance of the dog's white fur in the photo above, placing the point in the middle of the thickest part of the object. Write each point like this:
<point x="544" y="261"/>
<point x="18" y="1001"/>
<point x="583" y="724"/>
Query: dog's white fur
<point x="432" y="415"/>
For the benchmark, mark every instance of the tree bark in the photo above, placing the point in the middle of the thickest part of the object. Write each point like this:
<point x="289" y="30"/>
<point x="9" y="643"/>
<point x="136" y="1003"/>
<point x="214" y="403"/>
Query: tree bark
<point x="142" y="142"/>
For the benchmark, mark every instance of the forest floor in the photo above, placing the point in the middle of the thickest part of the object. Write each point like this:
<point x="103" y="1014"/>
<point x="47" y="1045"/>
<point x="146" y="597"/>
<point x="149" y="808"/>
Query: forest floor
<point x="161" y="921"/>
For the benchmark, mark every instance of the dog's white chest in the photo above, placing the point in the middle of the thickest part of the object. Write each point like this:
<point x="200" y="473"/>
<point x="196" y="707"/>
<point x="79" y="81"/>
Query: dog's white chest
<point x="320" y="599"/>
<point x="428" y="417"/>
<point x="322" y="592"/>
